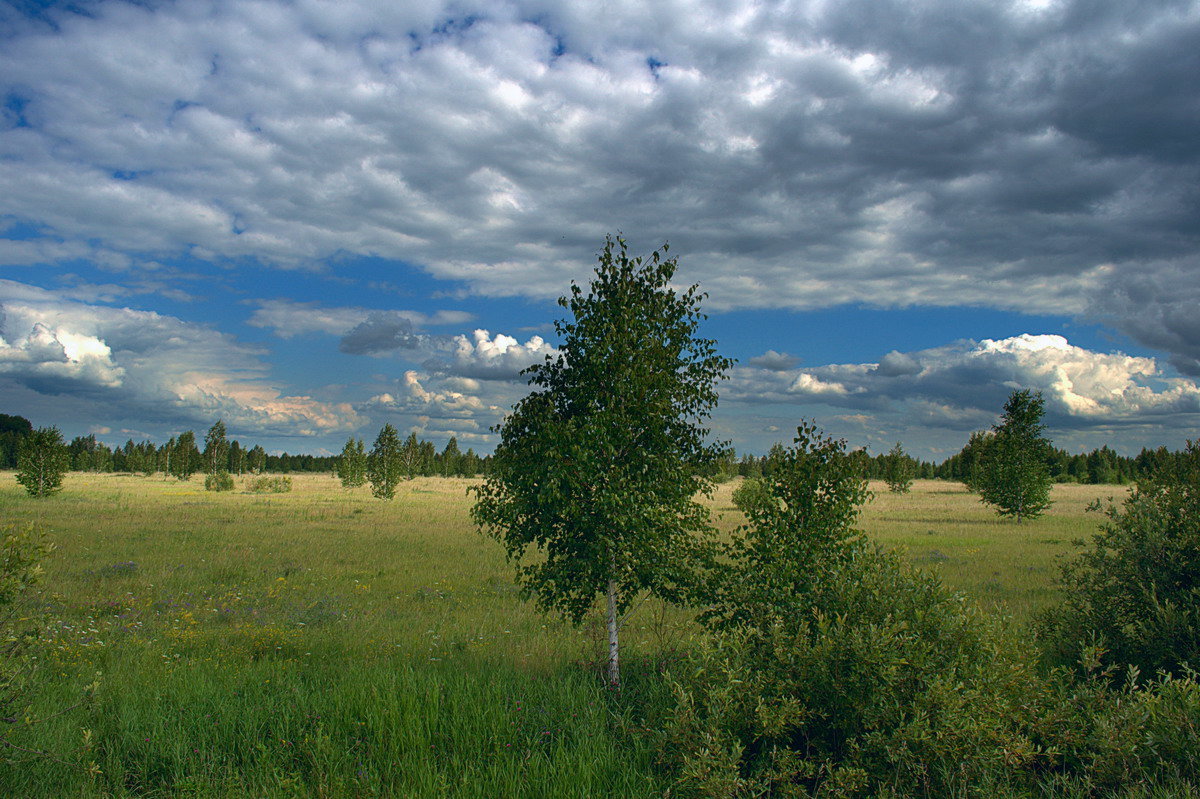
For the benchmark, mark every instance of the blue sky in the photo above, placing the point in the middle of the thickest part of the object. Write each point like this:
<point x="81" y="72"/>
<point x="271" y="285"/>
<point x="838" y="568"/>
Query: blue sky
<point x="309" y="218"/>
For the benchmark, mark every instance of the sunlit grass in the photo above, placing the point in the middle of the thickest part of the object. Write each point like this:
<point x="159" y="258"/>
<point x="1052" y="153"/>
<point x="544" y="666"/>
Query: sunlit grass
<point x="325" y="643"/>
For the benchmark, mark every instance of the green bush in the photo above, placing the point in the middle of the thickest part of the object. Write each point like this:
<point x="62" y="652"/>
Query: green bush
<point x="751" y="492"/>
<point x="218" y="481"/>
<point x="1134" y="595"/>
<point x="276" y="484"/>
<point x="887" y="680"/>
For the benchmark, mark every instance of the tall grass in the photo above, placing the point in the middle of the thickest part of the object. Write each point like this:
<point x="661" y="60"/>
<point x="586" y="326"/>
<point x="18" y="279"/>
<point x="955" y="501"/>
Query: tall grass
<point x="324" y="643"/>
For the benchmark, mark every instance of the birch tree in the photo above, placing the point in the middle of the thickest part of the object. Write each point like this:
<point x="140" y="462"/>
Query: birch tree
<point x="597" y="469"/>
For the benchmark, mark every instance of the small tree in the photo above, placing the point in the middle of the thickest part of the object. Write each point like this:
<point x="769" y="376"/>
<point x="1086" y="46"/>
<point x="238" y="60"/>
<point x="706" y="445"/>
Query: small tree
<point x="42" y="460"/>
<point x="598" y="467"/>
<point x="352" y="465"/>
<point x="185" y="457"/>
<point x="799" y="525"/>
<point x="898" y="470"/>
<point x="216" y="449"/>
<point x="384" y="468"/>
<point x="1014" y="474"/>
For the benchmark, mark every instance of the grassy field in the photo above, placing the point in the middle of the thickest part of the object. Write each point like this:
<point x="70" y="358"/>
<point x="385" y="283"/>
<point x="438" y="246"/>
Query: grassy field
<point x="324" y="643"/>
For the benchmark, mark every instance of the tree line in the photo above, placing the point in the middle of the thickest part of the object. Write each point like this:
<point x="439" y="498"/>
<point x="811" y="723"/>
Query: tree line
<point x="183" y="455"/>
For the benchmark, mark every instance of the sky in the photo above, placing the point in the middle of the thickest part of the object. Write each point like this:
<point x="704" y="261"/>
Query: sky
<point x="311" y="218"/>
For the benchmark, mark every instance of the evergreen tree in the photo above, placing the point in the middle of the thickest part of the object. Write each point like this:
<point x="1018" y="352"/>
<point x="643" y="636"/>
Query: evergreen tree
<point x="597" y="469"/>
<point x="352" y="465"/>
<point x="42" y="460"/>
<point x="384" y="466"/>
<point x="898" y="470"/>
<point x="1015" y="477"/>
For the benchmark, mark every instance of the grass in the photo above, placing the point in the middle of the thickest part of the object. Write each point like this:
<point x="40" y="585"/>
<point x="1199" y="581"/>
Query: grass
<point x="324" y="643"/>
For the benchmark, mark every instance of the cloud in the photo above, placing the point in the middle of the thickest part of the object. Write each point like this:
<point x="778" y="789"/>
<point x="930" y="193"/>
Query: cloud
<point x="380" y="333"/>
<point x="888" y="153"/>
<point x="289" y="318"/>
<point x="962" y="384"/>
<point x="148" y="366"/>
<point x="440" y="407"/>
<point x="774" y="361"/>
<point x="484" y="357"/>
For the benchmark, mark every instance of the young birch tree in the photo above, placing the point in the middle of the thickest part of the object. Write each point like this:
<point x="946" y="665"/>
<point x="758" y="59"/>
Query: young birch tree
<point x="384" y="468"/>
<point x="1015" y="476"/>
<point x="598" y="467"/>
<point x="41" y="462"/>
<point x="352" y="465"/>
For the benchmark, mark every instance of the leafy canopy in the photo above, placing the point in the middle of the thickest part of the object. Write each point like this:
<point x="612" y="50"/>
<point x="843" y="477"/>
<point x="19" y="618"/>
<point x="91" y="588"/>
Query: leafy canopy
<point x="1014" y="475"/>
<point x="384" y="467"/>
<point x="41" y="462"/>
<point x="598" y="466"/>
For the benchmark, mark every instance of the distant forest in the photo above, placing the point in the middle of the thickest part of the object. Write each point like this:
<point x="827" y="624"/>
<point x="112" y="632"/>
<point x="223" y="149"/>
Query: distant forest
<point x="1100" y="466"/>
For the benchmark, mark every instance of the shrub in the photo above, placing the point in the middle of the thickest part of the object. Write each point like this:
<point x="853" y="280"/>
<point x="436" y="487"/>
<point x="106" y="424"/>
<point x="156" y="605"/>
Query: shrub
<point x="218" y="481"/>
<point x="888" y="679"/>
<point x="1134" y="596"/>
<point x="751" y="492"/>
<point x="276" y="484"/>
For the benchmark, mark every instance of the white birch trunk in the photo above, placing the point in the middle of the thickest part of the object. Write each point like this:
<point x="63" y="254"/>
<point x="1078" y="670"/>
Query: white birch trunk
<point x="614" y="666"/>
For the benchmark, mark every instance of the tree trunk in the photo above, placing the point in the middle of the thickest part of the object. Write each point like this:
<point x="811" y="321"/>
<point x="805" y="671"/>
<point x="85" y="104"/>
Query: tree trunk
<point x="614" y="666"/>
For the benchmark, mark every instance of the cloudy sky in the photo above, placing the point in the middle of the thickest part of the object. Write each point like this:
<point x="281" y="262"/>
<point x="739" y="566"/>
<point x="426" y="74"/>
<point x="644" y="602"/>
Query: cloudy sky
<point x="312" y="217"/>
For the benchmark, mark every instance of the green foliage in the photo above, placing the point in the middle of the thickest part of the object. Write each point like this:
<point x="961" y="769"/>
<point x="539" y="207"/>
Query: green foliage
<point x="257" y="459"/>
<point x="836" y="669"/>
<point x="880" y="678"/>
<point x="385" y="466"/>
<point x="898" y="470"/>
<point x="269" y="484"/>
<point x="1135" y="593"/>
<point x="41" y="462"/>
<point x="1015" y="477"/>
<point x="752" y="491"/>
<point x="216" y="449"/>
<point x="352" y="465"/>
<point x="184" y="457"/>
<point x="598" y="467"/>
<point x="218" y="481"/>
<point x="799" y="524"/>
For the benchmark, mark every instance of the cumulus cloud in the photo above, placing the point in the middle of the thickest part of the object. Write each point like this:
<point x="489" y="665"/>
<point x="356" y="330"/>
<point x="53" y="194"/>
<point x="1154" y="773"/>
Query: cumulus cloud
<point x="484" y="357"/>
<point x="150" y="366"/>
<point x="893" y="153"/>
<point x="961" y="385"/>
<point x="441" y="407"/>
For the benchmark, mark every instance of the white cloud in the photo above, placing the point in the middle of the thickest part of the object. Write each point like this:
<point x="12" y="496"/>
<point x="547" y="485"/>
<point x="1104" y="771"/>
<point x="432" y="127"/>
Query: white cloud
<point x="442" y="407"/>
<point x="960" y="383"/>
<point x="148" y="365"/>
<point x="484" y="357"/>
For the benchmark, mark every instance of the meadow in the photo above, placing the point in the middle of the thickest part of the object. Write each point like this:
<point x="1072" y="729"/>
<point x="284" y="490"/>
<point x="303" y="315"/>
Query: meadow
<point x="325" y="643"/>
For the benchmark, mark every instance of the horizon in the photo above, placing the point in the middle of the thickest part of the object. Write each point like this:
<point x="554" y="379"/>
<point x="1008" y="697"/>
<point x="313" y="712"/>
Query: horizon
<point x="311" y="220"/>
